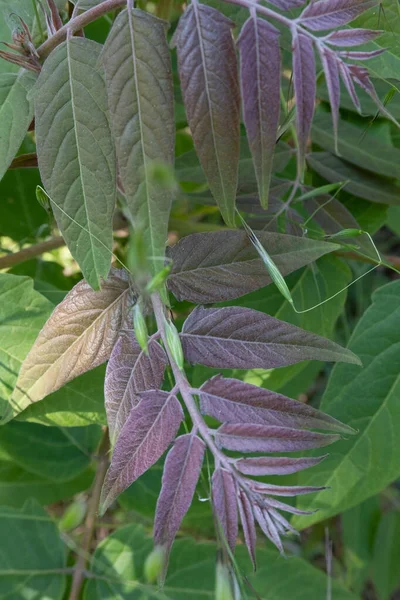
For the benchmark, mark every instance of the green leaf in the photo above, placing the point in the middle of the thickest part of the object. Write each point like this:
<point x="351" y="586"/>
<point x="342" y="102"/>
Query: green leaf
<point x="16" y="485"/>
<point x="32" y="554"/>
<point x="76" y="153"/>
<point x="360" y="183"/>
<point x="119" y="561"/>
<point x="58" y="454"/>
<point x="385" y="562"/>
<point x="16" y="113"/>
<point x="21" y="215"/>
<point x="356" y="146"/>
<point x="368" y="400"/>
<point x="368" y="106"/>
<point x="140" y="94"/>
<point x="393" y="221"/>
<point x="78" y="337"/>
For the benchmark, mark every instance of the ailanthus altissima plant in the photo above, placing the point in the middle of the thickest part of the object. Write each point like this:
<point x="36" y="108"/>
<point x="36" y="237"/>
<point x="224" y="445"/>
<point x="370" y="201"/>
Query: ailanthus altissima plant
<point x="104" y="118"/>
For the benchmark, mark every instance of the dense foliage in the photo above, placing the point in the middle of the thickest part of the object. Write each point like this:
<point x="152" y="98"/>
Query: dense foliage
<point x="200" y="206"/>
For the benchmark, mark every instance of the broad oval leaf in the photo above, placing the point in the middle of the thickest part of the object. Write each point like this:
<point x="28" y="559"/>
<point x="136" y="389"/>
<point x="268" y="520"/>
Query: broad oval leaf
<point x="138" y="72"/>
<point x="234" y="401"/>
<point x="327" y="14"/>
<point x="78" y="336"/>
<point x="76" y="153"/>
<point x="150" y="428"/>
<point x="241" y="338"/>
<point x="222" y="265"/>
<point x="209" y="78"/>
<point x="129" y="372"/>
<point x="224" y="498"/>
<point x="181" y="473"/>
<point x="260" y="67"/>
<point x="16" y="113"/>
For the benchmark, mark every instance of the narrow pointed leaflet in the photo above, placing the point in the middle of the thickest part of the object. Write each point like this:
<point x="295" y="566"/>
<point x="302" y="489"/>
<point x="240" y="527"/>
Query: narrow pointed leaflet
<point x="330" y="65"/>
<point x="304" y="88"/>
<point x="79" y="335"/>
<point x="327" y="14"/>
<point x="225" y="506"/>
<point x="129" y="372"/>
<point x="260" y="83"/>
<point x="76" y="153"/>
<point x="138" y="73"/>
<point x="150" y="428"/>
<point x="209" y="78"/>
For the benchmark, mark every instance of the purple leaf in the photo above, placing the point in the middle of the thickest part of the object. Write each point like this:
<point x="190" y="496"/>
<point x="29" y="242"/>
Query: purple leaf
<point x="275" y="465"/>
<point x="286" y="491"/>
<point x="150" y="428"/>
<point x="260" y="66"/>
<point x="287" y="4"/>
<point x="181" y="473"/>
<point x="331" y="70"/>
<point x="304" y="89"/>
<point x="130" y="372"/>
<point x="267" y="526"/>
<point x="358" y="55"/>
<point x="233" y="401"/>
<point x="222" y="265"/>
<point x="263" y="438"/>
<point x="242" y="338"/>
<point x="210" y="87"/>
<point x="348" y="82"/>
<point x="273" y="503"/>
<point x="361" y="77"/>
<point x="225" y="505"/>
<point x="327" y="14"/>
<point x="247" y="520"/>
<point x="351" y="37"/>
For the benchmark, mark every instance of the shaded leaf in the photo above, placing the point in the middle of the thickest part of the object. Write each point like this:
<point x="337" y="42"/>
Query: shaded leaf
<point x="129" y="372"/>
<point x="327" y="14"/>
<point x="150" y="428"/>
<point x="241" y="338"/>
<point x="140" y="94"/>
<point x="260" y="83"/>
<point x="79" y="335"/>
<point x="331" y="70"/>
<point x="275" y="465"/>
<point x="76" y="153"/>
<point x="265" y="438"/>
<point x="209" y="79"/>
<point x="304" y="89"/>
<point x="224" y="498"/>
<point x="222" y="265"/>
<point x="233" y="401"/>
<point x="181" y="473"/>
<point x="385" y="561"/>
<point x="16" y="113"/>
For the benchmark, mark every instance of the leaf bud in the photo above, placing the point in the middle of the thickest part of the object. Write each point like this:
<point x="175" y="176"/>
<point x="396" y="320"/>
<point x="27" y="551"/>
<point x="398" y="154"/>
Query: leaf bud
<point x="174" y="343"/>
<point x="154" y="564"/>
<point x="140" y="327"/>
<point x="158" y="279"/>
<point x="223" y="587"/>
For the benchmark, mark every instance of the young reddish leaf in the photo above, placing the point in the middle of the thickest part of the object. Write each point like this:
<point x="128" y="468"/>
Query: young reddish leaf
<point x="358" y="55"/>
<point x="222" y="265"/>
<point x="285" y="491"/>
<point x="234" y="401"/>
<point x="277" y="504"/>
<point x="304" y="89"/>
<point x="361" y="76"/>
<point x="348" y="82"/>
<point x="275" y="465"/>
<point x="247" y="521"/>
<point x="181" y="473"/>
<point x="242" y="338"/>
<point x="138" y="72"/>
<point x="264" y="438"/>
<point x="225" y="505"/>
<point x="150" y="428"/>
<point x="129" y="372"/>
<point x="209" y="80"/>
<point x="260" y="67"/>
<point x="327" y="14"/>
<point x="351" y="37"/>
<point x="267" y="526"/>
<point x="79" y="335"/>
<point x="331" y="69"/>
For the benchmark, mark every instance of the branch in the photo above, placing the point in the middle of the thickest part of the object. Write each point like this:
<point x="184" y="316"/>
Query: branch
<point x="90" y="522"/>
<point x="10" y="260"/>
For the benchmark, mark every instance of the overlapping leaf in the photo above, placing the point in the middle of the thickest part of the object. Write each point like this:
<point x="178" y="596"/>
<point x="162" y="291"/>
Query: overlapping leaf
<point x="330" y="63"/>
<point x="16" y="113"/>
<point x="76" y="153"/>
<point x="219" y="266"/>
<point x="140" y="94"/>
<point x="241" y="338"/>
<point x="260" y="83"/>
<point x="209" y="79"/>
<point x="129" y="372"/>
<point x="225" y="506"/>
<point x="150" y="428"/>
<point x="181" y="473"/>
<point x="79" y="335"/>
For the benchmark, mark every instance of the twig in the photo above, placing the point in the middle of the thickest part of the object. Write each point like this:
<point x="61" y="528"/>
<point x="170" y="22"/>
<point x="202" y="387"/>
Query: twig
<point x="90" y="522"/>
<point x="10" y="260"/>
